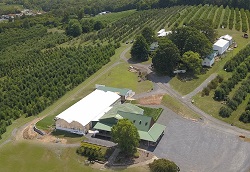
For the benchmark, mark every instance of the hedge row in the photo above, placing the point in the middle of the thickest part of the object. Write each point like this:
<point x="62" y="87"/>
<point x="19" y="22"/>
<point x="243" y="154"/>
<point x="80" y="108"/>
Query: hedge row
<point x="237" y="59"/>
<point x="231" y="19"/>
<point x="217" y="17"/>
<point x="238" y="97"/>
<point x="93" y="152"/>
<point x="225" y="18"/>
<point x="244" y="20"/>
<point x="245" y="116"/>
<point x="226" y="86"/>
<point x="238" y="19"/>
<point x="212" y="85"/>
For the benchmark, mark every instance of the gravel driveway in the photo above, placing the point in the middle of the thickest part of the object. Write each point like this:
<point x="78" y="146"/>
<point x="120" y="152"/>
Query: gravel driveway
<point x="197" y="147"/>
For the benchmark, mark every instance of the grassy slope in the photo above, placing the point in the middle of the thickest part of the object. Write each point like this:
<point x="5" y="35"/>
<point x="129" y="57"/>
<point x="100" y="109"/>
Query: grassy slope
<point x="178" y="108"/>
<point x="29" y="157"/>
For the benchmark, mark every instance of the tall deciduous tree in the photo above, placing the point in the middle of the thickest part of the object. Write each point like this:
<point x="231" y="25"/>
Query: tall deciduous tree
<point x="191" y="61"/>
<point x="148" y="34"/>
<point x="126" y="135"/>
<point x="166" y="56"/>
<point x="140" y="49"/>
<point x="163" y="165"/>
<point x="206" y="27"/>
<point x="191" y="39"/>
<point x="74" y="28"/>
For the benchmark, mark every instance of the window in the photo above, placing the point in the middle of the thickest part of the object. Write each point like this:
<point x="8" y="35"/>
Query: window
<point x="139" y="122"/>
<point x="146" y="123"/>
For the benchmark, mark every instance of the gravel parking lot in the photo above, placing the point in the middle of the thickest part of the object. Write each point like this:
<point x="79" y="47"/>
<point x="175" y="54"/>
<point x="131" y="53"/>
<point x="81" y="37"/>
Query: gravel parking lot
<point x="197" y="147"/>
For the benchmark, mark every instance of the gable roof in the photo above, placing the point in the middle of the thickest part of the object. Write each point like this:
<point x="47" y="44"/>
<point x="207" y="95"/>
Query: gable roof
<point x="120" y="91"/>
<point x="221" y="43"/>
<point x="90" y="107"/>
<point x="125" y="107"/>
<point x="141" y="122"/>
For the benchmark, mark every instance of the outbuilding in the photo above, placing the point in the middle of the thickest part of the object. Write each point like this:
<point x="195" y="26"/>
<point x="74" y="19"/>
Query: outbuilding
<point x="209" y="60"/>
<point x="227" y="38"/>
<point x="221" y="46"/>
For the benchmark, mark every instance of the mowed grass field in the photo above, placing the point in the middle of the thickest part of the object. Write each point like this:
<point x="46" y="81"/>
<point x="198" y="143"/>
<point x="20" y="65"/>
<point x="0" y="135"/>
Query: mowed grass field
<point x="29" y="157"/>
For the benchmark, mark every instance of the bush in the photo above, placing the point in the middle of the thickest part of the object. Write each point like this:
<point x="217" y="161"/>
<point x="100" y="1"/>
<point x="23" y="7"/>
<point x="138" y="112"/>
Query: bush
<point x="206" y="91"/>
<point x="233" y="104"/>
<point x="219" y="94"/>
<point x="245" y="117"/>
<point x="219" y="78"/>
<point x="163" y="165"/>
<point x="93" y="152"/>
<point x="225" y="112"/>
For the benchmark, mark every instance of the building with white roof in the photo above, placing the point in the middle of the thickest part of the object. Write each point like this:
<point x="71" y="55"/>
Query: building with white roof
<point x="228" y="38"/>
<point x="221" y="46"/>
<point x="78" y="118"/>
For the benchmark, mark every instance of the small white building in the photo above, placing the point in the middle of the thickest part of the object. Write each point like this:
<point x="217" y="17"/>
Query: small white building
<point x="163" y="33"/>
<point x="227" y="38"/>
<point x="78" y="118"/>
<point x="209" y="60"/>
<point x="221" y="46"/>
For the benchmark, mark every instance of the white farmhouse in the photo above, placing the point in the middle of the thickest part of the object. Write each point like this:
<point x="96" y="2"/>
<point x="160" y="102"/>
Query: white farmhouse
<point x="209" y="60"/>
<point x="221" y="46"/>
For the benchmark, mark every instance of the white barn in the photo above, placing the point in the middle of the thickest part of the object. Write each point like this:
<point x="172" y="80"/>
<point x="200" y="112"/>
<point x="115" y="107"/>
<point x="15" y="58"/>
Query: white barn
<point x="228" y="38"/>
<point x="78" y="118"/>
<point x="221" y="46"/>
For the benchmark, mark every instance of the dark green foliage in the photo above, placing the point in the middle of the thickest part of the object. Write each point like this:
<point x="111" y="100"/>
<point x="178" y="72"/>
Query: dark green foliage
<point x="163" y="165"/>
<point x="148" y="34"/>
<point x="225" y="112"/>
<point x="191" y="39"/>
<point x="219" y="94"/>
<point x="126" y="135"/>
<point x="245" y="117"/>
<point x="32" y="80"/>
<point x="191" y="61"/>
<point x="206" y="91"/>
<point x="237" y="59"/>
<point x="166" y="57"/>
<point x="74" y="28"/>
<point x="140" y="49"/>
<point x="206" y="27"/>
<point x="93" y="152"/>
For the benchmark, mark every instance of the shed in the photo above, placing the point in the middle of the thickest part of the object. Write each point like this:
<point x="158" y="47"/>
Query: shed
<point x="161" y="31"/>
<point x="221" y="46"/>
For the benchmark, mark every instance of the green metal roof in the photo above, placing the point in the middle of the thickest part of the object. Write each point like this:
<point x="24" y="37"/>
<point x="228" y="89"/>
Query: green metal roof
<point x="102" y="126"/>
<point x="156" y="130"/>
<point x="141" y="122"/>
<point x="120" y="91"/>
<point x="145" y="136"/>
<point x="116" y="111"/>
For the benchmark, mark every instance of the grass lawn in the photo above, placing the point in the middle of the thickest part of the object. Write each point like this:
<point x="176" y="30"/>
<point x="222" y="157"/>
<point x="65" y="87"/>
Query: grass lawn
<point x="28" y="157"/>
<point x="53" y="30"/>
<point x="214" y="107"/>
<point x="188" y="86"/>
<point x="155" y="113"/>
<point x="178" y="107"/>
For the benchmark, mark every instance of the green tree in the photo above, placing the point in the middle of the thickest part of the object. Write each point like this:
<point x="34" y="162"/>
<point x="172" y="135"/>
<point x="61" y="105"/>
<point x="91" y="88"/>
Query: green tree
<point x="166" y="56"/>
<point x="74" y="28"/>
<point x="148" y="34"/>
<point x="191" y="61"/>
<point x="191" y="39"/>
<point x="206" y="27"/>
<point x="98" y="25"/>
<point x="126" y="135"/>
<point x="140" y="49"/>
<point x="163" y="165"/>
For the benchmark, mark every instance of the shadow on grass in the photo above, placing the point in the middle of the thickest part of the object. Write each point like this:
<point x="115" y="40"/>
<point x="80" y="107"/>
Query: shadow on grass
<point x="60" y="133"/>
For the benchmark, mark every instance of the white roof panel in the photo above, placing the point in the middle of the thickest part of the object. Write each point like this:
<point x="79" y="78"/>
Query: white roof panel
<point x="162" y="30"/>
<point x="221" y="43"/>
<point x="227" y="37"/>
<point x="90" y="107"/>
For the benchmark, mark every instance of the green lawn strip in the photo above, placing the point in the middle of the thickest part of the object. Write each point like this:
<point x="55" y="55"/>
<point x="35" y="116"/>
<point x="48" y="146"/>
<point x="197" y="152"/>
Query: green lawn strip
<point x="155" y="113"/>
<point x="54" y="30"/>
<point x="188" y="86"/>
<point x="214" y="107"/>
<point x="178" y="107"/>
